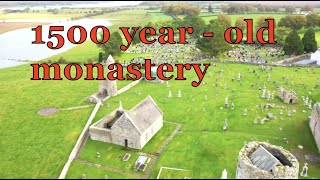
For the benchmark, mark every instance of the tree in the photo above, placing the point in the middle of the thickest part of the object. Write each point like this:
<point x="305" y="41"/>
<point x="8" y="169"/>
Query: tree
<point x="261" y="9"/>
<point x="136" y="38"/>
<point x="249" y="9"/>
<point x="210" y="9"/>
<point x="312" y="20"/>
<point x="224" y="20"/>
<point x="216" y="45"/>
<point x="295" y="22"/>
<point x="306" y="8"/>
<point x="225" y="9"/>
<point x="293" y="44"/>
<point x="261" y="21"/>
<point x="309" y="41"/>
<point x="194" y="21"/>
<point x="281" y="34"/>
<point x="176" y="10"/>
<point x="290" y="9"/>
<point x="240" y="23"/>
<point x="100" y="57"/>
<point x="112" y="46"/>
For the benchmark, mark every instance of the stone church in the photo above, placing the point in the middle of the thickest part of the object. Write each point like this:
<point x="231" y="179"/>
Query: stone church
<point x="129" y="128"/>
<point x="314" y="124"/>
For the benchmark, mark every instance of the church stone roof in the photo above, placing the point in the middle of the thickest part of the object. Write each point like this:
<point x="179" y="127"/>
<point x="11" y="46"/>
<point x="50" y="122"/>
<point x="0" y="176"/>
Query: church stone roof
<point x="145" y="113"/>
<point x="142" y="116"/>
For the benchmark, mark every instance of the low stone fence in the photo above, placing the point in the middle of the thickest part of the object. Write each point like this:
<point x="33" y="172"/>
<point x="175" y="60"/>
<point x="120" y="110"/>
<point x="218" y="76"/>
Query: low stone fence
<point x="127" y="87"/>
<point x="82" y="137"/>
<point x="295" y="59"/>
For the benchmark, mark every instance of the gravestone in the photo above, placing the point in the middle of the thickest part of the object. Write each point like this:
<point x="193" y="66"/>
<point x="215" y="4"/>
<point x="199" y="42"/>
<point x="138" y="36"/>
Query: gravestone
<point x="224" y="174"/>
<point x="263" y="93"/>
<point x="225" y="125"/>
<point x="245" y="112"/>
<point x="271" y="116"/>
<point x="179" y="93"/>
<point x="304" y="172"/>
<point x="226" y="102"/>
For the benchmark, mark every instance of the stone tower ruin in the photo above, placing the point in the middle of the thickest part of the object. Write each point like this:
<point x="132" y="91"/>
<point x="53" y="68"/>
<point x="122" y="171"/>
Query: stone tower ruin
<point x="107" y="87"/>
<point x="314" y="124"/>
<point x="261" y="160"/>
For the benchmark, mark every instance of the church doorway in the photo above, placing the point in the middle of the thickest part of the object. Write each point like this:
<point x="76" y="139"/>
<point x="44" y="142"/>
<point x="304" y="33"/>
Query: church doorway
<point x="126" y="143"/>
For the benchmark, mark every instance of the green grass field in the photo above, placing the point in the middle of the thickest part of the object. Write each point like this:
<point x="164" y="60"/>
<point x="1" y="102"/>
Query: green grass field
<point x="77" y="169"/>
<point x="42" y="142"/>
<point x="174" y="174"/>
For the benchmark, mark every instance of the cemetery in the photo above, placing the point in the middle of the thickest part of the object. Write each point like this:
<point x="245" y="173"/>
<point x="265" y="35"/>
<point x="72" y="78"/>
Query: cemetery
<point x="228" y="101"/>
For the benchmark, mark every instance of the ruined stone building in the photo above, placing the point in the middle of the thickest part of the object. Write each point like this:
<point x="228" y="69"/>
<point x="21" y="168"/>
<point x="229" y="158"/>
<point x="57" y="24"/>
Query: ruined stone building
<point x="314" y="124"/>
<point x="261" y="160"/>
<point x="106" y="87"/>
<point x="288" y="97"/>
<point x="130" y="128"/>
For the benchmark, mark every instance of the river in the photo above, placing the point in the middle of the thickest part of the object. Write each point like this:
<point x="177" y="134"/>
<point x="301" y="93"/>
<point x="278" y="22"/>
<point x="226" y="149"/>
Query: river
<point x="78" y="5"/>
<point x="16" y="45"/>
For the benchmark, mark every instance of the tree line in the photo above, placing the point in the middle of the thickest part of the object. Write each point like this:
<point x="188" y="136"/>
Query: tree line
<point x="285" y="33"/>
<point x="243" y="8"/>
<point x="180" y="9"/>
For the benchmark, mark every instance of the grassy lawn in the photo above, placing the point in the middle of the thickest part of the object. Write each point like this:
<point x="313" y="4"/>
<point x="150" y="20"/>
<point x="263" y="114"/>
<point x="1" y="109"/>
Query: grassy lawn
<point x="206" y="155"/>
<point x="174" y="174"/>
<point x="42" y="142"/>
<point x="209" y="17"/>
<point x="111" y="155"/>
<point x="77" y="169"/>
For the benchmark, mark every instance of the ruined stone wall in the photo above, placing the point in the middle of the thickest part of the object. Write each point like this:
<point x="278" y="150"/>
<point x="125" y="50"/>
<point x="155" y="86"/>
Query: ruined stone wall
<point x="151" y="131"/>
<point x="124" y="129"/>
<point x="287" y="96"/>
<point x="246" y="170"/>
<point x="315" y="124"/>
<point x="100" y="134"/>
